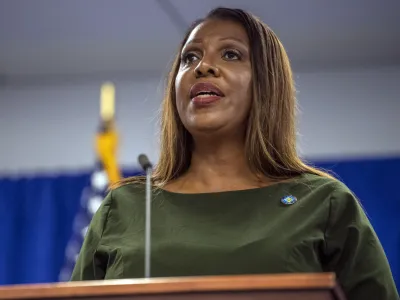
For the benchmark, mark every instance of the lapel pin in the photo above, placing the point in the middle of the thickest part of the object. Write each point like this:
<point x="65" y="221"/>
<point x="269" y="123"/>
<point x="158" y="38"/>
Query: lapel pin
<point x="289" y="200"/>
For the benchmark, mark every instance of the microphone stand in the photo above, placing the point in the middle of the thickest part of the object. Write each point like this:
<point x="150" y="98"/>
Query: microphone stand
<point x="148" y="168"/>
<point x="148" y="224"/>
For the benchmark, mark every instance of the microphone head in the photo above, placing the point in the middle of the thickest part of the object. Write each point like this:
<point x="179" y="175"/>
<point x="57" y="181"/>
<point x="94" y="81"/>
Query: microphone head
<point x="144" y="161"/>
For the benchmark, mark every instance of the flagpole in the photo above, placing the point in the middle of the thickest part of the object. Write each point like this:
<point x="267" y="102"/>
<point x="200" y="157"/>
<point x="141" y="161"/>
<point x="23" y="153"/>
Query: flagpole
<point x="107" y="105"/>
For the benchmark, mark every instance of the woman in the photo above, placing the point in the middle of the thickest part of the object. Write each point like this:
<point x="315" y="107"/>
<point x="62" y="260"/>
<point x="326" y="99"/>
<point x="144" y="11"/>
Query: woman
<point x="232" y="196"/>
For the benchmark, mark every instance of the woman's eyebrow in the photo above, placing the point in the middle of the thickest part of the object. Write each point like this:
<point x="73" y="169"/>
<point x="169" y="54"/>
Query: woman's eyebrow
<point x="199" y="40"/>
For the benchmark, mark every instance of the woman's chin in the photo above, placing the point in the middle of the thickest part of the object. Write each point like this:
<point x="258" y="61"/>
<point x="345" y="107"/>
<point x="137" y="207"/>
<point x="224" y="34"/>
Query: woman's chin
<point x="206" y="127"/>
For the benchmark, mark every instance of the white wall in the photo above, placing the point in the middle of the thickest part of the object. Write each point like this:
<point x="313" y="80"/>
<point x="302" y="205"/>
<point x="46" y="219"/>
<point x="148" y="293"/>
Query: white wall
<point x="50" y="127"/>
<point x="353" y="113"/>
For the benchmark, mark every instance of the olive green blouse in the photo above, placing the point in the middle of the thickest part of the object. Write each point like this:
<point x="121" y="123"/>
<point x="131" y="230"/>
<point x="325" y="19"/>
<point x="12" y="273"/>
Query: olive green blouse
<point x="310" y="224"/>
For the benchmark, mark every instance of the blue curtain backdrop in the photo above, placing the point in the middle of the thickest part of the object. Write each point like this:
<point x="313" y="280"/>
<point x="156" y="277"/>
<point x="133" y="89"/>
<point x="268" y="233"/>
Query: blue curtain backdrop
<point x="37" y="213"/>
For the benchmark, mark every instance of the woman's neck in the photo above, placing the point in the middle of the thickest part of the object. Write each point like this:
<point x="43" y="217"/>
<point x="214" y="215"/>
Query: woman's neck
<point x="217" y="166"/>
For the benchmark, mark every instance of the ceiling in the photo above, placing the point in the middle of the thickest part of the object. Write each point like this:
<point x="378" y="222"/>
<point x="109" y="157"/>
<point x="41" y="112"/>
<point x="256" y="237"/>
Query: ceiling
<point x="52" y="37"/>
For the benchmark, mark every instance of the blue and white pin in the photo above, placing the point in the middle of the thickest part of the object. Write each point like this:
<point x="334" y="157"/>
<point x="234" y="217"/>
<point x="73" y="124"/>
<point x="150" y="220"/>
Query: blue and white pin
<point x="289" y="200"/>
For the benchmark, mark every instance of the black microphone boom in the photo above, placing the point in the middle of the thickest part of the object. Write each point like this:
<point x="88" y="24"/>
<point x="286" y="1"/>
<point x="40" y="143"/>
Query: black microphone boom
<point x="144" y="162"/>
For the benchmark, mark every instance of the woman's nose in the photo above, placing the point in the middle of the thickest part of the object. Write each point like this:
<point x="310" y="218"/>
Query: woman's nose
<point x="205" y="69"/>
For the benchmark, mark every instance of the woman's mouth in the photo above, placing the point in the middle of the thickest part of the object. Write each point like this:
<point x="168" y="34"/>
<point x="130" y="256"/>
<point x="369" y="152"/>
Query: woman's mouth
<point x="205" y="99"/>
<point x="205" y="93"/>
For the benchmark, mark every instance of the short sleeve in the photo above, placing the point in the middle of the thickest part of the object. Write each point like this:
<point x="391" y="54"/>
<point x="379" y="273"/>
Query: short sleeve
<point x="354" y="252"/>
<point x="86" y="267"/>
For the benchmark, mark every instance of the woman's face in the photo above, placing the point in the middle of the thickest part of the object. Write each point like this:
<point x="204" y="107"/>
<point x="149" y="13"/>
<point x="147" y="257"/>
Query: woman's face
<point x="213" y="84"/>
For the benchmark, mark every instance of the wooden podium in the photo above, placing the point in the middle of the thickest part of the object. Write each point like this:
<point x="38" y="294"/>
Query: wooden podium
<point x="268" y="287"/>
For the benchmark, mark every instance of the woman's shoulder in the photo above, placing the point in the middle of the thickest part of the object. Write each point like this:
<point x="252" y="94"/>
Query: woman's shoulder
<point x="128" y="190"/>
<point x="122" y="202"/>
<point x="317" y="189"/>
<point x="321" y="182"/>
<point x="331" y="188"/>
<point x="125" y="195"/>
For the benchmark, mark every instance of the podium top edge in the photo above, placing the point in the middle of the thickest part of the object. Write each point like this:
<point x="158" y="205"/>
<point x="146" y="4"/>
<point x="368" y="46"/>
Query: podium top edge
<point x="143" y="286"/>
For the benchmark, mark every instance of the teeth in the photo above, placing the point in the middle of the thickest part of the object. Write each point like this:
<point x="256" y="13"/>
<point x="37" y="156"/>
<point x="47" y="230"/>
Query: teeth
<point x="206" y="94"/>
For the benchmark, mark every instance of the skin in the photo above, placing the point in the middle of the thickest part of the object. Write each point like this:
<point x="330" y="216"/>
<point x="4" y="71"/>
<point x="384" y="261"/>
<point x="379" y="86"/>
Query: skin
<point x="217" y="52"/>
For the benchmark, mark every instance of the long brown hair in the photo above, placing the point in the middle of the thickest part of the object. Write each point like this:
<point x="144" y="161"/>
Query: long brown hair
<point x="271" y="132"/>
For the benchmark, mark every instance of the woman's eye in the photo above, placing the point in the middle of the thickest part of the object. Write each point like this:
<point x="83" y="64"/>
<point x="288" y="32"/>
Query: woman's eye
<point x="188" y="58"/>
<point x="231" y="55"/>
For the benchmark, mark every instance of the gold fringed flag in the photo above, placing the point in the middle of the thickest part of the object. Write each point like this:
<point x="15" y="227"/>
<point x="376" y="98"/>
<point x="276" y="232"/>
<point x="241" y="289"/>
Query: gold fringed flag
<point x="106" y="172"/>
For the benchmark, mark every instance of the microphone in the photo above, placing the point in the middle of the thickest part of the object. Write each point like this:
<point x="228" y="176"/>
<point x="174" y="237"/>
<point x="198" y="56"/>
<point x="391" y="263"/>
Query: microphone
<point x="148" y="168"/>
<point x="144" y="162"/>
